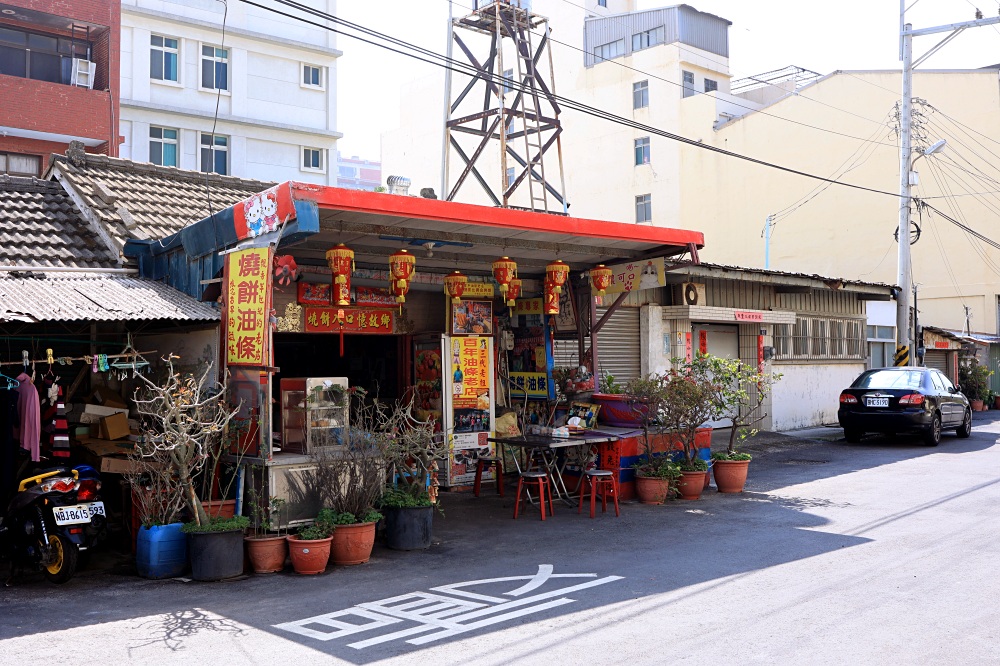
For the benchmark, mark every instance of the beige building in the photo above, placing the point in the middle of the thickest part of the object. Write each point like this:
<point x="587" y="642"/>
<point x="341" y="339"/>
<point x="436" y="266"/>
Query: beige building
<point x="840" y="126"/>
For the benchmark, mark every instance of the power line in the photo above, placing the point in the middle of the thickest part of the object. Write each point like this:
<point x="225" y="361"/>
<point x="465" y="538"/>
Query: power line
<point x="433" y="58"/>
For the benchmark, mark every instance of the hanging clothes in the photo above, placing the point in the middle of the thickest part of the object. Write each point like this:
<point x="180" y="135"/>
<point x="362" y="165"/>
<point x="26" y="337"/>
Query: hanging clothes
<point x="29" y="416"/>
<point x="8" y="443"/>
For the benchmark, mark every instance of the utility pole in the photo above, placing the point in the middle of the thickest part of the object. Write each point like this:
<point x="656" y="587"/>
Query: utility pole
<point x="904" y="330"/>
<point x="768" y="225"/>
<point x="446" y="139"/>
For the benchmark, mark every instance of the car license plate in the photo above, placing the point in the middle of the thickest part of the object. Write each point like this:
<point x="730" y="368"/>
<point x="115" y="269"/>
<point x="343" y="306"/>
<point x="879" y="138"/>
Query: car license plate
<point x="876" y="402"/>
<point x="78" y="513"/>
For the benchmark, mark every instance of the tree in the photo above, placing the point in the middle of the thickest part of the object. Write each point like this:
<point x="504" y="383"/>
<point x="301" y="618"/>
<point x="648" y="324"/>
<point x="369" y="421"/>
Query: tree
<point x="186" y="420"/>
<point x="689" y="401"/>
<point x="739" y="393"/>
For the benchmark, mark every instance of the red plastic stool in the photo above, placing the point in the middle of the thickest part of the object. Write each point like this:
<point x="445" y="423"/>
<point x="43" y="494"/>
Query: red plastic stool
<point x="484" y="463"/>
<point x="541" y="480"/>
<point x="605" y="481"/>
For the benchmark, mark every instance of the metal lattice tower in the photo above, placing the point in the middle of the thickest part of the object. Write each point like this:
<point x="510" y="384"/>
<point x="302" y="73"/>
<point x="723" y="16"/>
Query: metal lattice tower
<point x="523" y="120"/>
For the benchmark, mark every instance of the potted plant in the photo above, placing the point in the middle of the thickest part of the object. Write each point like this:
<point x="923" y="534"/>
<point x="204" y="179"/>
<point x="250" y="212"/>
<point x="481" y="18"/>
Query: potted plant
<point x="266" y="545"/>
<point x="157" y="502"/>
<point x="687" y="402"/>
<point x="619" y="406"/>
<point x="186" y="419"/>
<point x="310" y="548"/>
<point x="413" y="452"/>
<point x="740" y="391"/>
<point x="974" y="378"/>
<point x="654" y="474"/>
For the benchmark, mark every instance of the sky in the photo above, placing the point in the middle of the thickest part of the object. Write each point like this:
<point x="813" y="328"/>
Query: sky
<point x="765" y="35"/>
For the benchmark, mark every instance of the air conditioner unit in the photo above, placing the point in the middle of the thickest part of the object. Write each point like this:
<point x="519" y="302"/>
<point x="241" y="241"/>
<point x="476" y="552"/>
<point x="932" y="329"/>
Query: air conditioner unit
<point x="693" y="293"/>
<point x="83" y="73"/>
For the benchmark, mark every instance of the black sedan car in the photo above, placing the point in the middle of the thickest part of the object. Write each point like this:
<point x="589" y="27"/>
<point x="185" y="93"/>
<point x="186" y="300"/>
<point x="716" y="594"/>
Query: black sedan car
<point x="908" y="399"/>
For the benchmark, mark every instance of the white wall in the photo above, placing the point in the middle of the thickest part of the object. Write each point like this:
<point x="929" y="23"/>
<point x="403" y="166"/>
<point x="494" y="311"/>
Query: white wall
<point x="807" y="395"/>
<point x="267" y="113"/>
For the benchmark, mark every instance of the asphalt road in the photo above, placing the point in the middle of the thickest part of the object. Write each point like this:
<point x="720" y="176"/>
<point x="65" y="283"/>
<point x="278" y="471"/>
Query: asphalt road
<point x="878" y="553"/>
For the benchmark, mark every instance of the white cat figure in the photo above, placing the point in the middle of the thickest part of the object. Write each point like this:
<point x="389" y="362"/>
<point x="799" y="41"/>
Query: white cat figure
<point x="253" y="212"/>
<point x="269" y="200"/>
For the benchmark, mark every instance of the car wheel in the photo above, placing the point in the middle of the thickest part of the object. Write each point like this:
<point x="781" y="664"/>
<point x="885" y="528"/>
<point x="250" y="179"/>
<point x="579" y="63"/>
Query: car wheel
<point x="933" y="435"/>
<point x="852" y="436"/>
<point x="965" y="429"/>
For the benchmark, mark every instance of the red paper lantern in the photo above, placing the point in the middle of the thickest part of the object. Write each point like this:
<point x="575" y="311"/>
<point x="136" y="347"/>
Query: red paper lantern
<point x="557" y="273"/>
<point x="551" y="306"/>
<point x="454" y="286"/>
<point x="504" y="271"/>
<point x="401" y="268"/>
<point x="341" y="262"/>
<point x="513" y="292"/>
<point x="600" y="279"/>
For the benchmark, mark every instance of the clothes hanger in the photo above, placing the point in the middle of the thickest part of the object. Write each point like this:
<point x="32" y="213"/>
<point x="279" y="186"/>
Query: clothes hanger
<point x="11" y="382"/>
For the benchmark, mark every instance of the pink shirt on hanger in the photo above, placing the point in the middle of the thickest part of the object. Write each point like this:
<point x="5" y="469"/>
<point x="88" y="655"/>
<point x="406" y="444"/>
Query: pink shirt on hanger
<point x="29" y="414"/>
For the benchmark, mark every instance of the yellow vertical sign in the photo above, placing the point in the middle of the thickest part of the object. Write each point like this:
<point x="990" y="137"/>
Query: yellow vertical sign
<point x="248" y="287"/>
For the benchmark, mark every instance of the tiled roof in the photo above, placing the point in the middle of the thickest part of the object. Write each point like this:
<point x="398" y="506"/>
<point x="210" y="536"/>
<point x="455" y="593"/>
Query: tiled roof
<point x="40" y="226"/>
<point x="96" y="298"/>
<point x="146" y="201"/>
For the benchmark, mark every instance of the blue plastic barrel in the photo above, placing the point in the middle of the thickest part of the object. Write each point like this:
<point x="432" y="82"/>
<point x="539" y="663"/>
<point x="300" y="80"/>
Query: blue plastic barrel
<point x="161" y="551"/>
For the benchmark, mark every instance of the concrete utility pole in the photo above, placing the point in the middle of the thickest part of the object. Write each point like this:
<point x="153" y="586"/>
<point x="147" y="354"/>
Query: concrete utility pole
<point x="904" y="330"/>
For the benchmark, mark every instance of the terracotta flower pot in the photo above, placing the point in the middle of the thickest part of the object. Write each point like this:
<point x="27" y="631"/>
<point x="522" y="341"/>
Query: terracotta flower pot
<point x="977" y="405"/>
<point x="996" y="402"/>
<point x="691" y="485"/>
<point x="651" y="489"/>
<point x="731" y="475"/>
<point x="309" y="556"/>
<point x="352" y="544"/>
<point x="267" y="553"/>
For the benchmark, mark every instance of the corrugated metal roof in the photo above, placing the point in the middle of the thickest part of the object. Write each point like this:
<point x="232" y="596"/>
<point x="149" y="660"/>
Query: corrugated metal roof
<point x="808" y="276"/>
<point x="40" y="226"/>
<point x="96" y="298"/>
<point x="146" y="201"/>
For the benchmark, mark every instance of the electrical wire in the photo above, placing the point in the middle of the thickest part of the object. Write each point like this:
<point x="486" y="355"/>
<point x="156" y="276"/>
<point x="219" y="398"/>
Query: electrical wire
<point x="433" y="58"/>
<point x="215" y="118"/>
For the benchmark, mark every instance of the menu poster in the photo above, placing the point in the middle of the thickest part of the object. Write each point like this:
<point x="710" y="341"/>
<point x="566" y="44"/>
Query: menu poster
<point x="472" y="318"/>
<point x="468" y="381"/>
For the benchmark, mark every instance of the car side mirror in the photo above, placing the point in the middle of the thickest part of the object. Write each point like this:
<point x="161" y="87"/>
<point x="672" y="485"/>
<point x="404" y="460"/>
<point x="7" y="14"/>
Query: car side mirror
<point x="955" y="389"/>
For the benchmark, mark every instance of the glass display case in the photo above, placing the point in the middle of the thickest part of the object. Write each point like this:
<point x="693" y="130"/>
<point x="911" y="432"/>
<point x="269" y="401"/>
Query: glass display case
<point x="314" y="413"/>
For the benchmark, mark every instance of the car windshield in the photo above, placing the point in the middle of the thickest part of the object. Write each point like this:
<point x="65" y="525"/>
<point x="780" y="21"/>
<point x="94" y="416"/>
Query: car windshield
<point x="890" y="379"/>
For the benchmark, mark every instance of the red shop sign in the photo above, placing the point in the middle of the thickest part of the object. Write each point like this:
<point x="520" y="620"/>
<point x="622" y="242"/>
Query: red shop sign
<point x="749" y="316"/>
<point x="355" y="320"/>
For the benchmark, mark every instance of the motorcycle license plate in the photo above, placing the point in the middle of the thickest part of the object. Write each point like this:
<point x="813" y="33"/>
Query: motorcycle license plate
<point x="78" y="513"/>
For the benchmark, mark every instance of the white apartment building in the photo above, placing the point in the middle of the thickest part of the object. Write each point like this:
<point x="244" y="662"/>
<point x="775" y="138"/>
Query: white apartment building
<point x="256" y="101"/>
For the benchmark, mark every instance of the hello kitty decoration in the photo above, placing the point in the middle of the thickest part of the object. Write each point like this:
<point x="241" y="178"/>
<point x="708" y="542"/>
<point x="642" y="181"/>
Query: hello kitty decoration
<point x="263" y="212"/>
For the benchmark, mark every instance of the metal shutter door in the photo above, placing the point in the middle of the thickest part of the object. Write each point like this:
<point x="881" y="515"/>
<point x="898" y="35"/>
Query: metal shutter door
<point x="565" y="353"/>
<point x="937" y="359"/>
<point x="618" y="348"/>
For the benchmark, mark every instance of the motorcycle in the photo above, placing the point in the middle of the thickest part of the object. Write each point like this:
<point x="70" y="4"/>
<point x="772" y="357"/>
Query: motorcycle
<point x="52" y="522"/>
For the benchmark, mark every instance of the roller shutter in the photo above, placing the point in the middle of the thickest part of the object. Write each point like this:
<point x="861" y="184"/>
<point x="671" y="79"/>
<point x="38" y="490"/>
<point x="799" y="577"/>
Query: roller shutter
<point x="618" y="347"/>
<point x="938" y="360"/>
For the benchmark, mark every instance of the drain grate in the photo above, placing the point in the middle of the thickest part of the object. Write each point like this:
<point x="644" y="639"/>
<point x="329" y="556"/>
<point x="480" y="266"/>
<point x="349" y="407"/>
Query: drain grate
<point x="799" y="461"/>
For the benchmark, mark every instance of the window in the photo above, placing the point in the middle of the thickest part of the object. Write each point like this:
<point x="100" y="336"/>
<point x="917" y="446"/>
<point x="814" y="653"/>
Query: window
<point x="643" y="209"/>
<point x="510" y="176"/>
<point x="640" y="95"/>
<point x="163" y="146"/>
<point x="711" y="86"/>
<point x="816" y="337"/>
<point x="30" y="55"/>
<point x="610" y="50"/>
<point x="508" y="80"/>
<point x="215" y="153"/>
<point x="163" y="53"/>
<point x="643" y="40"/>
<point x="214" y="68"/>
<point x="20" y="165"/>
<point x="642" y="151"/>
<point x="347" y="171"/>
<point x="688" y="84"/>
<point x="312" y="76"/>
<point x="881" y="346"/>
<point x="312" y="159"/>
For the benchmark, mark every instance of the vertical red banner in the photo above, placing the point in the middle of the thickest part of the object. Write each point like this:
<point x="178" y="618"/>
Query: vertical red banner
<point x="703" y="342"/>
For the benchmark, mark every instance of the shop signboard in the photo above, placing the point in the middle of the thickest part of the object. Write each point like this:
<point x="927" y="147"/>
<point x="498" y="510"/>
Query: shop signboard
<point x="646" y="274"/>
<point x="468" y="383"/>
<point x="535" y="384"/>
<point x="528" y="306"/>
<point x="354" y="320"/>
<point x="478" y="290"/>
<point x="248" y="290"/>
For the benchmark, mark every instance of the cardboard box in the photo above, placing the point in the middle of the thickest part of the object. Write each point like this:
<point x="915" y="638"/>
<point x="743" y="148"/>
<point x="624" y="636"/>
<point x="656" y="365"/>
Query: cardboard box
<point x="106" y="397"/>
<point x="114" y="426"/>
<point x="92" y="413"/>
<point x="114" y="465"/>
